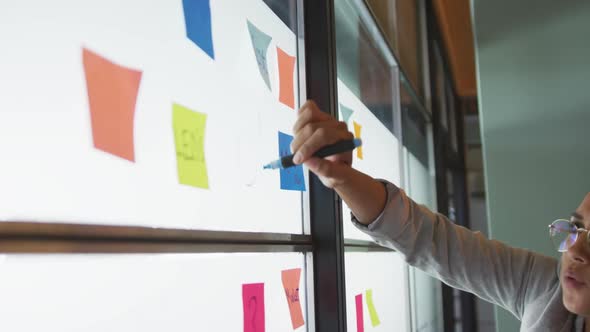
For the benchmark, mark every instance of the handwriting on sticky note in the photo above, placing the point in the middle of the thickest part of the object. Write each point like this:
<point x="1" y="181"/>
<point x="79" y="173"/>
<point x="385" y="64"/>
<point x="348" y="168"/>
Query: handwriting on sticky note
<point x="253" y="307"/>
<point x="360" y="324"/>
<point x="357" y="134"/>
<point x="292" y="177"/>
<point x="189" y="138"/>
<point x="112" y="94"/>
<point x="291" y="280"/>
<point x="286" y="74"/>
<point x="372" y="312"/>
<point x="260" y="43"/>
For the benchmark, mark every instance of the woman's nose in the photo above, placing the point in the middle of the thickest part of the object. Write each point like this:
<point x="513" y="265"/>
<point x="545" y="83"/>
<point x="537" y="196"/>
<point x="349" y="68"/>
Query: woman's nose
<point x="580" y="250"/>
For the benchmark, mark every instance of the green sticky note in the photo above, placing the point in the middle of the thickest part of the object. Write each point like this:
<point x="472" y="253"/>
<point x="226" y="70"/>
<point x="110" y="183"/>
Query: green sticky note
<point x="189" y="135"/>
<point x="372" y="312"/>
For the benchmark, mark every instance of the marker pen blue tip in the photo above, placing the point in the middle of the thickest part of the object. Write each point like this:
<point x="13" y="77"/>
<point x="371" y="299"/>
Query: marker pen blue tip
<point x="340" y="147"/>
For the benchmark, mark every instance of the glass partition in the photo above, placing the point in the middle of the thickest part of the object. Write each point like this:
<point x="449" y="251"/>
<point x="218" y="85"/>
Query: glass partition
<point x="376" y="292"/>
<point x="426" y="296"/>
<point x="159" y="117"/>
<point x="154" y="292"/>
<point x="400" y="22"/>
<point x="368" y="96"/>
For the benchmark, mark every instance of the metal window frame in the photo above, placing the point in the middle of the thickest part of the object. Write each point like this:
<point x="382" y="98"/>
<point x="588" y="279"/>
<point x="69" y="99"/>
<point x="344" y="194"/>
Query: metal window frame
<point x="325" y="206"/>
<point x="447" y="160"/>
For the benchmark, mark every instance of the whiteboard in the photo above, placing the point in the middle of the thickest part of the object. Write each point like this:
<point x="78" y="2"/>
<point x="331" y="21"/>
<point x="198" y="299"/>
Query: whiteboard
<point x="143" y="292"/>
<point x="380" y="150"/>
<point x="384" y="273"/>
<point x="51" y="170"/>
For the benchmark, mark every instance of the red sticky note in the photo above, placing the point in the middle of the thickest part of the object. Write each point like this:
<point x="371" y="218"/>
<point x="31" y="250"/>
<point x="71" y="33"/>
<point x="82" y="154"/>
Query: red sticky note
<point x="112" y="94"/>
<point x="291" y="284"/>
<point x="253" y="303"/>
<point x="360" y="325"/>
<point x="286" y="72"/>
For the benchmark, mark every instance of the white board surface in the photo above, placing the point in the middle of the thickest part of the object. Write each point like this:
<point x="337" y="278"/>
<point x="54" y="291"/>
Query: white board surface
<point x="385" y="274"/>
<point x="142" y="292"/>
<point x="50" y="170"/>
<point x="381" y="153"/>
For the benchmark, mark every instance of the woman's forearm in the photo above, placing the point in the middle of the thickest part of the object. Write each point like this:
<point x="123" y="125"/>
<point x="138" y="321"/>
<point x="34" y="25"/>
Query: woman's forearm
<point x="364" y="195"/>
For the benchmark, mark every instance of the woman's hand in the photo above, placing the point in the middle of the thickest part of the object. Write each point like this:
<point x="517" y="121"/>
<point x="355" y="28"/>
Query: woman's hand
<point x="313" y="130"/>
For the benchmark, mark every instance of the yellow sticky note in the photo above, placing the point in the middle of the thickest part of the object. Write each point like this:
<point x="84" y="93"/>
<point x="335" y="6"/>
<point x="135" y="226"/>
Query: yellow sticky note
<point x="357" y="134"/>
<point x="372" y="312"/>
<point x="189" y="137"/>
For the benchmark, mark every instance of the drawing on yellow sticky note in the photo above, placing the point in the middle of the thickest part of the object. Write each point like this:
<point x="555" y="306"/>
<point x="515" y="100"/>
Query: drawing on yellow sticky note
<point x="189" y="134"/>
<point x="357" y="134"/>
<point x="372" y="312"/>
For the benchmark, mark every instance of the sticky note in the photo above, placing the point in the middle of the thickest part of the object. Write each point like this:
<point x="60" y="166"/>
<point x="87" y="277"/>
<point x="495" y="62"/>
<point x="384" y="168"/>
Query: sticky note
<point x="292" y="177"/>
<point x="357" y="134"/>
<point x="260" y="43"/>
<point x="253" y="304"/>
<point x="112" y="94"/>
<point x="189" y="138"/>
<point x="372" y="312"/>
<point x="360" y="325"/>
<point x="197" y="18"/>
<point x="346" y="113"/>
<point x="286" y="72"/>
<point x="290" y="280"/>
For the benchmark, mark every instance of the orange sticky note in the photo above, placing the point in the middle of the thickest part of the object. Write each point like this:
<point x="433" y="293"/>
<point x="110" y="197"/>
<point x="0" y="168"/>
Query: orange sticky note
<point x="357" y="134"/>
<point x="291" y="284"/>
<point x="286" y="72"/>
<point x="112" y="94"/>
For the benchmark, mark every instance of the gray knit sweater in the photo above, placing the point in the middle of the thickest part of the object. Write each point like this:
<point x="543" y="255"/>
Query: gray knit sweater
<point x="523" y="282"/>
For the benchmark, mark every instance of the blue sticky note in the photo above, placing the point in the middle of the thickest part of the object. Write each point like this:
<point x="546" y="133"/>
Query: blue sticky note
<point x="260" y="41"/>
<point x="292" y="177"/>
<point x="346" y="113"/>
<point x="197" y="17"/>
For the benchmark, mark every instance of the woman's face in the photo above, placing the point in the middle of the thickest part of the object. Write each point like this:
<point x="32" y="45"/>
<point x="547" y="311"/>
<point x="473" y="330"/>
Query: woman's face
<point x="575" y="267"/>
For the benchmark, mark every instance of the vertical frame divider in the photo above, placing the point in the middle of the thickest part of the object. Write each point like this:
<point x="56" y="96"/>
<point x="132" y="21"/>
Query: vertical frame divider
<point x="325" y="206"/>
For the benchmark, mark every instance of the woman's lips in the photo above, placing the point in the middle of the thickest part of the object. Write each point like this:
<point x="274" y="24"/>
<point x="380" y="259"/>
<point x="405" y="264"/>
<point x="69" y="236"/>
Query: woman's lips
<point x="572" y="280"/>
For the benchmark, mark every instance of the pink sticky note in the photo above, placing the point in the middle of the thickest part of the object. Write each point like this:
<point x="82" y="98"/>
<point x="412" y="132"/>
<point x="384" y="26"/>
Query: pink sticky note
<point x="291" y="284"/>
<point x="112" y="93"/>
<point x="360" y="325"/>
<point x="253" y="303"/>
<point x="286" y="72"/>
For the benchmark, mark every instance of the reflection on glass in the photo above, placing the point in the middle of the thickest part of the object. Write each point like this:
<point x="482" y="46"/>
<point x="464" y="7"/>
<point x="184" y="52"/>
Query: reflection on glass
<point x="419" y="183"/>
<point x="362" y="64"/>
<point x="399" y="21"/>
<point x="440" y="90"/>
<point x="452" y="116"/>
<point x="414" y="136"/>
<point x="286" y="10"/>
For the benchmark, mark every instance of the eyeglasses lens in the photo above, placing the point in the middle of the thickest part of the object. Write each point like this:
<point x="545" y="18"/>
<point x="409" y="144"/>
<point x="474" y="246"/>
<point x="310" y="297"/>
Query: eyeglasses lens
<point x="563" y="235"/>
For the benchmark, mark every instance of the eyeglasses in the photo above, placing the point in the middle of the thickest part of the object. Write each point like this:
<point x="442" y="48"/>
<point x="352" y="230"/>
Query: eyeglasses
<point x="564" y="234"/>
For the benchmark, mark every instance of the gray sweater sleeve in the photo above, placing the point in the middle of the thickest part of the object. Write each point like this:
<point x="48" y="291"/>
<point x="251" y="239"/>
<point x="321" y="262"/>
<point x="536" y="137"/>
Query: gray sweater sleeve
<point x="506" y="276"/>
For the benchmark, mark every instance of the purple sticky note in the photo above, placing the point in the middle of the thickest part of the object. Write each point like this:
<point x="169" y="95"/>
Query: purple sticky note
<point x="292" y="177"/>
<point x="197" y="17"/>
<point x="253" y="303"/>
